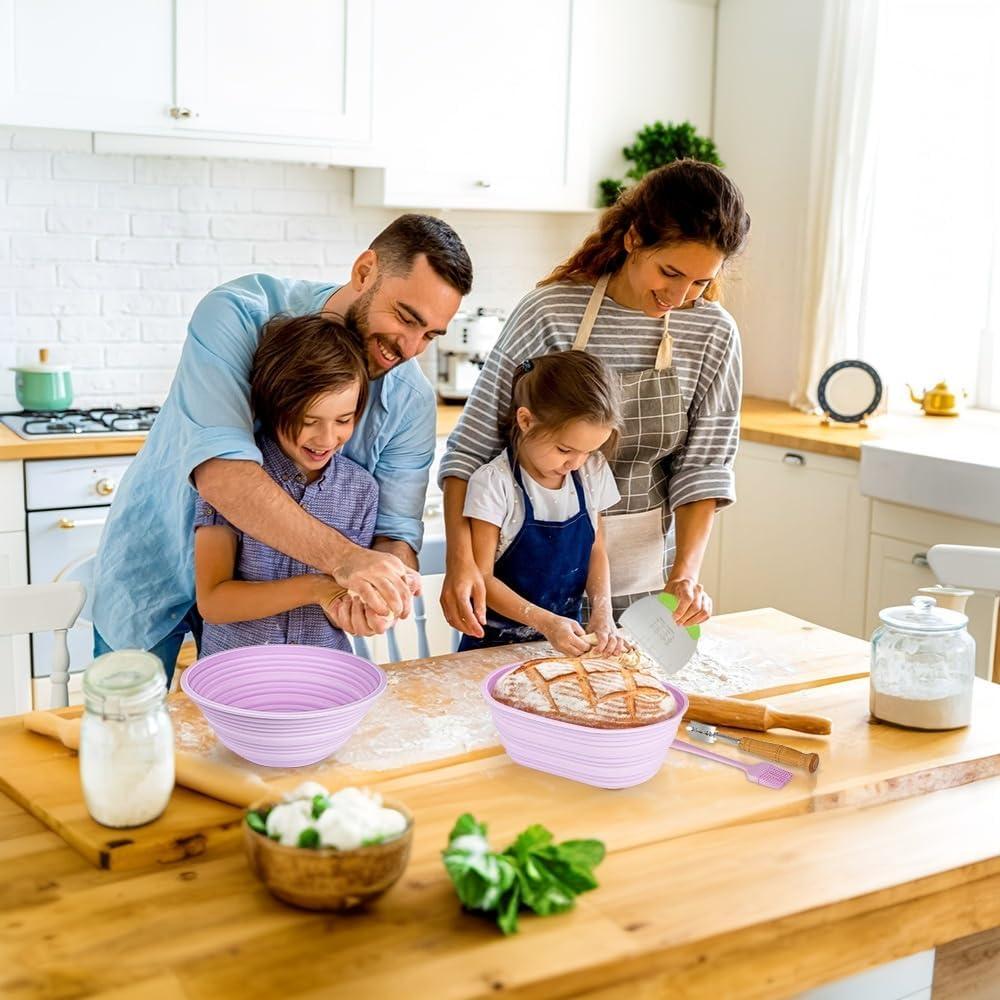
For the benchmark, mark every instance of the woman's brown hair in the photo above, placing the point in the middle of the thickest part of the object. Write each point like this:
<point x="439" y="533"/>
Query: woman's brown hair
<point x="686" y="201"/>
<point x="298" y="359"/>
<point x="559" y="388"/>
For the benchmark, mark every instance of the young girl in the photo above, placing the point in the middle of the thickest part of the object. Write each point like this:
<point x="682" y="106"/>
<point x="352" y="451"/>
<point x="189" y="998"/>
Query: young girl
<point x="535" y="510"/>
<point x="308" y="386"/>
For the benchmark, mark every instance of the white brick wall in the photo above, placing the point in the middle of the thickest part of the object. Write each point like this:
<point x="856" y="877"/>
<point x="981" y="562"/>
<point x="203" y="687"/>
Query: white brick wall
<point x="103" y="257"/>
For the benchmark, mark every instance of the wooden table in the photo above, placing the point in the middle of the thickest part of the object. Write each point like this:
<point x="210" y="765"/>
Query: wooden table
<point x="691" y="902"/>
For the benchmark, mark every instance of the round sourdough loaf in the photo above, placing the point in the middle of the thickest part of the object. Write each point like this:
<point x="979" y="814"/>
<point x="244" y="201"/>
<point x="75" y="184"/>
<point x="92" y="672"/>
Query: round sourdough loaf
<point x="602" y="693"/>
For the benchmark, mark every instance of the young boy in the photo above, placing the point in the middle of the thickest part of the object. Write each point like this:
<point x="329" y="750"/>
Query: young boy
<point x="308" y="387"/>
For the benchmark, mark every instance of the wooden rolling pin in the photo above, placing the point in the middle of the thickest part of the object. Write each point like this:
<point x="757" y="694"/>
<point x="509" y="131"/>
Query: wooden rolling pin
<point x="739" y="714"/>
<point x="191" y="771"/>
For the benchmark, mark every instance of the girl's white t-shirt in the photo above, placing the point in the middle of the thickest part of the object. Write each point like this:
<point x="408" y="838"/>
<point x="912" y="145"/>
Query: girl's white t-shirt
<point x="493" y="496"/>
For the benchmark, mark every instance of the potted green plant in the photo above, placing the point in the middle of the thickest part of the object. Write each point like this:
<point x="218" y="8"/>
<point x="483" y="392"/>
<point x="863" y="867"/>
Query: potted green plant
<point x="654" y="146"/>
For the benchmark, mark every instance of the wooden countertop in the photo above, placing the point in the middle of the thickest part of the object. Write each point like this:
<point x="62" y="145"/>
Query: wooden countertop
<point x="765" y="420"/>
<point x="756" y="896"/>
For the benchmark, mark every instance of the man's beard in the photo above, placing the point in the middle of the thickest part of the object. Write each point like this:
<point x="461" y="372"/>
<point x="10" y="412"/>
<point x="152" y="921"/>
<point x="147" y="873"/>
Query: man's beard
<point x="356" y="320"/>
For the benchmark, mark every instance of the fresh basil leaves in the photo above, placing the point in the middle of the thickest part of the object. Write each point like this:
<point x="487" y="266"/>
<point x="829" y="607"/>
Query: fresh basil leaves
<point x="532" y="873"/>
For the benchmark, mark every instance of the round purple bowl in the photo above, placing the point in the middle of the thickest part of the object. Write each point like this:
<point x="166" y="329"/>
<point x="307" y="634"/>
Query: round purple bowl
<point x="283" y="706"/>
<point x="605" y="758"/>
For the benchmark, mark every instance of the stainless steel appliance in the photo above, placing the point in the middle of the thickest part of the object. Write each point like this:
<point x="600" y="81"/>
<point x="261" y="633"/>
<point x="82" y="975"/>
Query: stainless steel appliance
<point x="102" y="421"/>
<point x="470" y="336"/>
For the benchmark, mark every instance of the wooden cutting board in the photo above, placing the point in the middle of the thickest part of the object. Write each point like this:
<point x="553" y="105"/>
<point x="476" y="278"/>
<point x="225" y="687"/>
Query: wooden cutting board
<point x="771" y="652"/>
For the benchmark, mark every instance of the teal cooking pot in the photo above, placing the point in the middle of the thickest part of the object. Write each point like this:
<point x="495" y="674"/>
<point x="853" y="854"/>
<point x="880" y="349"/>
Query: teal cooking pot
<point x="43" y="386"/>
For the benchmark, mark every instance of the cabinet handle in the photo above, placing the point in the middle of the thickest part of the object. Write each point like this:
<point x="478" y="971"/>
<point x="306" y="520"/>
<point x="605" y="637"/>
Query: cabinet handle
<point x="105" y="487"/>
<point x="483" y="184"/>
<point x="176" y="113"/>
<point x="67" y="522"/>
<point x="920" y="559"/>
<point x="791" y="458"/>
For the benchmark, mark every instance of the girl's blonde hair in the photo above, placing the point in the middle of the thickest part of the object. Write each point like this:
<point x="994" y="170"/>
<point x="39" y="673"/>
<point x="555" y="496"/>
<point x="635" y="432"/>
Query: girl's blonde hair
<point x="560" y="388"/>
<point x="686" y="201"/>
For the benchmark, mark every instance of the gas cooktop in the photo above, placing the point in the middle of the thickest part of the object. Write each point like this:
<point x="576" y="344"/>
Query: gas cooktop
<point x="100" y="420"/>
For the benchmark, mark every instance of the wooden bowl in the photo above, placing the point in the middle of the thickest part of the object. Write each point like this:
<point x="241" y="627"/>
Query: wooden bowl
<point x="325" y="878"/>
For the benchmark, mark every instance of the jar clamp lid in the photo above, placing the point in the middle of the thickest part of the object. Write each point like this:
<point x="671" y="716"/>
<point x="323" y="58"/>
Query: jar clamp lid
<point x="922" y="615"/>
<point x="124" y="683"/>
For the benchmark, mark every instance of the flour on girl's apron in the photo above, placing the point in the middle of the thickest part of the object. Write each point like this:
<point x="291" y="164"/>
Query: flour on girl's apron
<point x="638" y="531"/>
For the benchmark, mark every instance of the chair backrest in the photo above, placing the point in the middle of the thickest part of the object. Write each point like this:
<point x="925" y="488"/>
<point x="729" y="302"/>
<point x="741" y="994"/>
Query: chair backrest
<point x="45" y="607"/>
<point x="425" y="633"/>
<point x="972" y="566"/>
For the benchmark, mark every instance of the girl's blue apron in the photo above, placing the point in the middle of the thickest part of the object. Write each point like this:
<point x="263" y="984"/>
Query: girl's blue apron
<point x="546" y="564"/>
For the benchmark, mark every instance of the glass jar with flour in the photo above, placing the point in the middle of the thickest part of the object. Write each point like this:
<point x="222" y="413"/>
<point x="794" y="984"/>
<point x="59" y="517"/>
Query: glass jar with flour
<point x="126" y="739"/>
<point x="923" y="666"/>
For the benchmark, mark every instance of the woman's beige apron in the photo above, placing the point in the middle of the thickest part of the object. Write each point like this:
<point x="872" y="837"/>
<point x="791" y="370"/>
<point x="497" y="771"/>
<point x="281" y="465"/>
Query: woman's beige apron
<point x="638" y="529"/>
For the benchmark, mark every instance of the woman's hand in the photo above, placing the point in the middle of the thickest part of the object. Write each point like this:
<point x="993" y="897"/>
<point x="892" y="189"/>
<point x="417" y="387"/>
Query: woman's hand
<point x="694" y="606"/>
<point x="609" y="640"/>
<point x="566" y="635"/>
<point x="463" y="597"/>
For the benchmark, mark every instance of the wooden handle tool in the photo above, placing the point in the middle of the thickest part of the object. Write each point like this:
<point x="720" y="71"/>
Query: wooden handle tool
<point x="208" y="777"/>
<point x="739" y="714"/>
<point x="779" y="753"/>
<point x="764" y="749"/>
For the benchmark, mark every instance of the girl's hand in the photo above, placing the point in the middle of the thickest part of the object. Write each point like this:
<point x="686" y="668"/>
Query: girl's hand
<point x="609" y="641"/>
<point x="565" y="634"/>
<point x="694" y="606"/>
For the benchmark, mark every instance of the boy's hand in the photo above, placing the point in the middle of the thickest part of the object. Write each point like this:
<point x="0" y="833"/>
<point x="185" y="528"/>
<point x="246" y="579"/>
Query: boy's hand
<point x="608" y="641"/>
<point x="565" y="634"/>
<point x="351" y="615"/>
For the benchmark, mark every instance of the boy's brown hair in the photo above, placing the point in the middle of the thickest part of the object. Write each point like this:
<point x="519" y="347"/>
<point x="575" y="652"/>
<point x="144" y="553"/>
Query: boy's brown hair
<point x="559" y="388"/>
<point x="298" y="359"/>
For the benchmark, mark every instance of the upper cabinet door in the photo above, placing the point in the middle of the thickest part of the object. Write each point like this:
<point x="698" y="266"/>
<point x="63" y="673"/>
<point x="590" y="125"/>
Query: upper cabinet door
<point x="480" y="104"/>
<point x="102" y="64"/>
<point x="298" y="69"/>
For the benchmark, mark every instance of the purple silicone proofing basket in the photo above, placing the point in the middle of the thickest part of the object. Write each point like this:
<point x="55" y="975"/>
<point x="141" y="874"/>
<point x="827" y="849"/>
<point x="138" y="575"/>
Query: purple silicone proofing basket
<point x="283" y="706"/>
<point x="604" y="758"/>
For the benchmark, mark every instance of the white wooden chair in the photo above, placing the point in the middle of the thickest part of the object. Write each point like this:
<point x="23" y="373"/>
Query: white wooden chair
<point x="45" y="607"/>
<point x="975" y="567"/>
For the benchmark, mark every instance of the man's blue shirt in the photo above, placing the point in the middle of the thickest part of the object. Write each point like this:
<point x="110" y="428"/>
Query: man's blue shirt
<point x="144" y="570"/>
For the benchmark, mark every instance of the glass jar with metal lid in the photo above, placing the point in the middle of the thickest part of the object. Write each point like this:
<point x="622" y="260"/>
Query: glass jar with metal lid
<point x="126" y="739"/>
<point x="923" y="666"/>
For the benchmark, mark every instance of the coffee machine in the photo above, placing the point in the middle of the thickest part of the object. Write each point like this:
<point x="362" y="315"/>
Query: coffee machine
<point x="469" y="337"/>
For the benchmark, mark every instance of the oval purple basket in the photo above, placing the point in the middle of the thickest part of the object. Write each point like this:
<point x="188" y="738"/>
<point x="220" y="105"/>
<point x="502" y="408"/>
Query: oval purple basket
<point x="605" y="758"/>
<point x="283" y="706"/>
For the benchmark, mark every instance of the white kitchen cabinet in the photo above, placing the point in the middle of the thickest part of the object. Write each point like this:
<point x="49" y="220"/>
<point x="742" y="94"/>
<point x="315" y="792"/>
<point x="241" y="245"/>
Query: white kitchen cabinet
<point x="481" y="105"/>
<point x="296" y="69"/>
<point x="797" y="538"/>
<point x="15" y="652"/>
<point x="897" y="567"/>
<point x="103" y="64"/>
<point x="532" y="102"/>
<point x="193" y="71"/>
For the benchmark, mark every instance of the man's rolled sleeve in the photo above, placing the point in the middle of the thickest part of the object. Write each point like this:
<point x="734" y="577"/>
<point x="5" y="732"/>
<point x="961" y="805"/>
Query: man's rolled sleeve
<point x="212" y="387"/>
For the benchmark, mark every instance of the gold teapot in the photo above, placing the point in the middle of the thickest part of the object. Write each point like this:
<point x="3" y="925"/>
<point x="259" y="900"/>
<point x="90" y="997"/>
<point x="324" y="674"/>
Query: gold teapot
<point x="939" y="401"/>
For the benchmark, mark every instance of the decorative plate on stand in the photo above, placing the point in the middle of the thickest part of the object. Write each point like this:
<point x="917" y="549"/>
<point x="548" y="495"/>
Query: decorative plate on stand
<point x="849" y="392"/>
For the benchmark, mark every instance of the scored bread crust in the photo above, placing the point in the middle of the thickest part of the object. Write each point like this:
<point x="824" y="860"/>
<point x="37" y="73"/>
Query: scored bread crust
<point x="589" y="691"/>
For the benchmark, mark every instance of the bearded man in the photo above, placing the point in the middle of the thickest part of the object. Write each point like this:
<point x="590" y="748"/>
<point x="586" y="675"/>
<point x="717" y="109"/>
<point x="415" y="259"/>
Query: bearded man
<point x="402" y="293"/>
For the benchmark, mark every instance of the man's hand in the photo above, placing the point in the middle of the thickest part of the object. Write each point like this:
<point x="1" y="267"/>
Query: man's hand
<point x="380" y="580"/>
<point x="350" y="615"/>
<point x="694" y="606"/>
<point x="463" y="597"/>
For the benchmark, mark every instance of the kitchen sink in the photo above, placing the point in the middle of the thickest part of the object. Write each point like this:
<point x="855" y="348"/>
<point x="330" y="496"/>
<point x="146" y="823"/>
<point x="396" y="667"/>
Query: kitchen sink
<point x="955" y="474"/>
